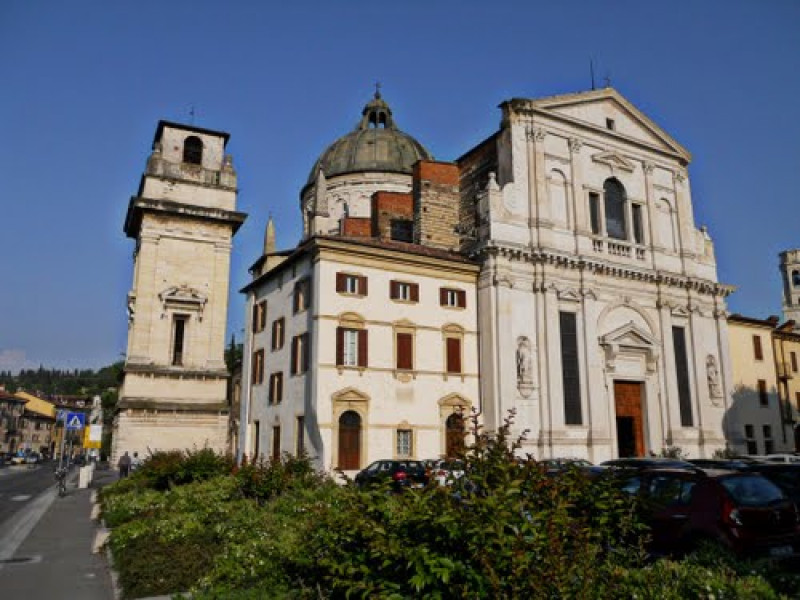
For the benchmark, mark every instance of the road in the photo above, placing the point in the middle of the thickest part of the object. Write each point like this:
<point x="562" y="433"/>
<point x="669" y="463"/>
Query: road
<point x="20" y="484"/>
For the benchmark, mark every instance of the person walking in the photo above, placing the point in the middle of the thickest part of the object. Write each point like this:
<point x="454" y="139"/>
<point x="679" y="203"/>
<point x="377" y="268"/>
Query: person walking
<point x="124" y="465"/>
<point x="136" y="462"/>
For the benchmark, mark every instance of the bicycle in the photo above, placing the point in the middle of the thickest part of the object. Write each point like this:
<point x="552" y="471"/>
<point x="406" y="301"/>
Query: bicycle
<point x="61" y="478"/>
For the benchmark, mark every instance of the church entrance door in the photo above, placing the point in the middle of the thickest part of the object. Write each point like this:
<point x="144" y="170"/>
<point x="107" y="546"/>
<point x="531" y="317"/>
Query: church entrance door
<point x="630" y="426"/>
<point x="349" y="441"/>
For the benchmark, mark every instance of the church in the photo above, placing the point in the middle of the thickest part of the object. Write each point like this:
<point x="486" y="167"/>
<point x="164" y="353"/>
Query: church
<point x="555" y="269"/>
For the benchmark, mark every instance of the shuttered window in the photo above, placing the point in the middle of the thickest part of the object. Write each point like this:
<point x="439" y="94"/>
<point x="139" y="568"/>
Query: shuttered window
<point x="594" y="212"/>
<point x="276" y="388"/>
<point x="570" y="369"/>
<point x="452" y="297"/>
<point x="351" y="347"/>
<point x="401" y="290"/>
<point x="347" y="283"/>
<point x="276" y="442"/>
<point x="300" y="353"/>
<point x="278" y="333"/>
<point x="258" y="367"/>
<point x="682" y="373"/>
<point x="302" y="295"/>
<point x="793" y="357"/>
<point x="758" y="351"/>
<point x="405" y="351"/>
<point x="763" y="396"/>
<point x="453" y="355"/>
<point x="638" y="225"/>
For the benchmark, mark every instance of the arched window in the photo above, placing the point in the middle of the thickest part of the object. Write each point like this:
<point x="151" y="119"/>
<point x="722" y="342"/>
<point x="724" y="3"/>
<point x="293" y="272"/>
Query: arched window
<point x="193" y="150"/>
<point x="349" y="441"/>
<point x="454" y="435"/>
<point x="796" y="278"/>
<point x="614" y="195"/>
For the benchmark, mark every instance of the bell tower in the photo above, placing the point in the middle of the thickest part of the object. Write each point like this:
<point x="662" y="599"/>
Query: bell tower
<point x="183" y="219"/>
<point x="790" y="273"/>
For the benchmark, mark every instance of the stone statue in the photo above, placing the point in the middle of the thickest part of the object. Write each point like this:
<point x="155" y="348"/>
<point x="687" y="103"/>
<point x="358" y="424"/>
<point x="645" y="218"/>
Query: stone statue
<point x="524" y="362"/>
<point x="712" y="374"/>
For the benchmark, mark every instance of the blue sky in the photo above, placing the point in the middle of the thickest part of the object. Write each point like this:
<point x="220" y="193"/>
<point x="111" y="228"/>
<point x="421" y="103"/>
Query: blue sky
<point x="84" y="84"/>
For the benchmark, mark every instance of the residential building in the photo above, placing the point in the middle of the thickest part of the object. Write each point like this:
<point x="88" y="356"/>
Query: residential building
<point x="37" y="424"/>
<point x="11" y="411"/>
<point x="362" y="341"/>
<point x="182" y="220"/>
<point x="755" y="421"/>
<point x="786" y="346"/>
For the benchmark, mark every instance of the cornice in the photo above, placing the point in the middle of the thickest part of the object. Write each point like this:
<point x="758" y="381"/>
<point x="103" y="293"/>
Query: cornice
<point x="599" y="267"/>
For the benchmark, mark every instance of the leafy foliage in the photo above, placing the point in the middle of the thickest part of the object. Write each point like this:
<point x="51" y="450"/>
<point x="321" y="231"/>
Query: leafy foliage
<point x="165" y="469"/>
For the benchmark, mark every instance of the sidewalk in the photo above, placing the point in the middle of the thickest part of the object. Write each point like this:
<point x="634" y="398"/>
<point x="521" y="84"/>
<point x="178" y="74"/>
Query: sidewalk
<point x="55" y="559"/>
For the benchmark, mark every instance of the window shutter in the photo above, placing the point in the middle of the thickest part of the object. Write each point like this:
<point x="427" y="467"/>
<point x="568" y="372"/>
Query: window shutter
<point x="339" y="346"/>
<point x="306" y="352"/>
<point x="393" y="290"/>
<point x="442" y="297"/>
<point x="280" y="387"/>
<point x="453" y="355"/>
<point x="294" y="361"/>
<point x="340" y="282"/>
<point x="414" y="292"/>
<point x="255" y="318"/>
<point x="405" y="353"/>
<point x="362" y="285"/>
<point x="362" y="348"/>
<point x="462" y="299"/>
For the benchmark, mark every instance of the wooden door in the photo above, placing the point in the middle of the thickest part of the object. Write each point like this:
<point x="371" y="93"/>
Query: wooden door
<point x="630" y="424"/>
<point x="349" y="441"/>
<point x="454" y="436"/>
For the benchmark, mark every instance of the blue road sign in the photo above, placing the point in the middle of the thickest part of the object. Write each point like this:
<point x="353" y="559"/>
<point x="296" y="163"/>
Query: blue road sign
<point x="75" y="420"/>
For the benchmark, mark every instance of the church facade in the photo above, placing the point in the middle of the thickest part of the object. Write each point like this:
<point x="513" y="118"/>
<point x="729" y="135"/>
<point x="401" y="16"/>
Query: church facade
<point x="561" y="253"/>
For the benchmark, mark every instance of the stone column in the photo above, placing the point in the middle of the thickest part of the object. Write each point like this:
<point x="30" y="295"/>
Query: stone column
<point x="581" y="225"/>
<point x="541" y="221"/>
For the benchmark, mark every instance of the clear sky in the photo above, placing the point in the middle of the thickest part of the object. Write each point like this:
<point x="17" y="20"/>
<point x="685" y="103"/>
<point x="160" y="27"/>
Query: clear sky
<point x="83" y="84"/>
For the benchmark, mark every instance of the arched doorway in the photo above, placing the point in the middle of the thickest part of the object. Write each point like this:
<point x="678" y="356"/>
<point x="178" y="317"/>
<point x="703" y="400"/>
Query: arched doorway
<point x="349" y="441"/>
<point x="454" y="435"/>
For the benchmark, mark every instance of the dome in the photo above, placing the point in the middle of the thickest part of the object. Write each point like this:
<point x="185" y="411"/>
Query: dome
<point x="375" y="145"/>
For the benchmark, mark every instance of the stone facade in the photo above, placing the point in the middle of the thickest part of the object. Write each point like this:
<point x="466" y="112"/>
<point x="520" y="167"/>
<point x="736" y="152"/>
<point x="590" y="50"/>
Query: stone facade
<point x="790" y="275"/>
<point x="183" y="220"/>
<point x="592" y="262"/>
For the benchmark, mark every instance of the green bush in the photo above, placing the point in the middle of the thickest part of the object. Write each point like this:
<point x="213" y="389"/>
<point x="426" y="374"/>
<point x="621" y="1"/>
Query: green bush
<point x="267" y="478"/>
<point x="162" y="470"/>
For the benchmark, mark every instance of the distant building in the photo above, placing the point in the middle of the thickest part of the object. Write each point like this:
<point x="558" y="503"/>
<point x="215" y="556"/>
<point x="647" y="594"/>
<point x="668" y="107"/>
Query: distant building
<point x="790" y="276"/>
<point x="37" y="424"/>
<point x="182" y="220"/>
<point x="11" y="412"/>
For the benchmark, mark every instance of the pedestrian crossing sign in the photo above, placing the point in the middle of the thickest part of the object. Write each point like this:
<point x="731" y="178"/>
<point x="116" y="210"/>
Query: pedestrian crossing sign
<point x="75" y="421"/>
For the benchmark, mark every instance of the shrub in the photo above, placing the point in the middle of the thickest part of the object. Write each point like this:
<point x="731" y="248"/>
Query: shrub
<point x="164" y="469"/>
<point x="267" y="478"/>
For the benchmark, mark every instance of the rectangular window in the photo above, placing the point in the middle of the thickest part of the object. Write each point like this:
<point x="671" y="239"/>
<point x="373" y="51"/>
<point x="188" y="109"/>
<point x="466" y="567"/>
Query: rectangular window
<point x="453" y="354"/>
<point x="682" y="373"/>
<point x="276" y="442"/>
<point x="300" y="447"/>
<point x="256" y="440"/>
<point x="763" y="397"/>
<point x="278" y="333"/>
<point x="259" y="316"/>
<point x="302" y="296"/>
<point x="400" y="290"/>
<point x="769" y="444"/>
<point x="351" y="347"/>
<point x="452" y="298"/>
<point x="351" y="284"/>
<point x="594" y="212"/>
<point x="638" y="226"/>
<point x="405" y="350"/>
<point x="750" y="434"/>
<point x="758" y="351"/>
<point x="276" y="388"/>
<point x="258" y="367"/>
<point x="611" y="124"/>
<point x="797" y="400"/>
<point x="299" y="354"/>
<point x="178" y="338"/>
<point x="570" y="368"/>
<point x="793" y="357"/>
<point x="404" y="442"/>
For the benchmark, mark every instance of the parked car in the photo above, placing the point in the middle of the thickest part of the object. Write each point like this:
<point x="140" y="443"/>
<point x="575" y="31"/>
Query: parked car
<point x="559" y="465"/>
<point x="647" y="463"/>
<point x="34" y="458"/>
<point x="18" y="458"/>
<point x="732" y="464"/>
<point x="445" y="472"/>
<point x="742" y="511"/>
<point x="780" y="458"/>
<point x="401" y="474"/>
<point x="785" y="475"/>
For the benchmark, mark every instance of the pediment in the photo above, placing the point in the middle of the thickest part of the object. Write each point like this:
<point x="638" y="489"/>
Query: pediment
<point x="594" y="107"/>
<point x="629" y="336"/>
<point x="349" y="395"/>
<point x="569" y="295"/>
<point x="183" y="296"/>
<point x="614" y="160"/>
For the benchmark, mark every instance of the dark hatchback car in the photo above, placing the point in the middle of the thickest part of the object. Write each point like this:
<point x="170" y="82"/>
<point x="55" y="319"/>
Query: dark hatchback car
<point x="785" y="475"/>
<point x="742" y="511"/>
<point x="400" y="473"/>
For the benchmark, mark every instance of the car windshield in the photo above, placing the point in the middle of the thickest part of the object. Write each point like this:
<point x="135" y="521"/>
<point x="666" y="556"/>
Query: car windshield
<point x="752" y="490"/>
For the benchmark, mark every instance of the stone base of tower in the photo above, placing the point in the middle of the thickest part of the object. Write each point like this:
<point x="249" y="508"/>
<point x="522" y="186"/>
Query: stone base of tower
<point x="148" y="430"/>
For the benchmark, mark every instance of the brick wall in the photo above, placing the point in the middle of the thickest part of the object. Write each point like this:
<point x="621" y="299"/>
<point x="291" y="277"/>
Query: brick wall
<point x="357" y="226"/>
<point x="436" y="204"/>
<point x="391" y="211"/>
